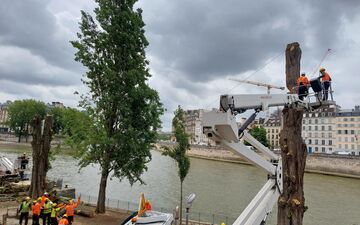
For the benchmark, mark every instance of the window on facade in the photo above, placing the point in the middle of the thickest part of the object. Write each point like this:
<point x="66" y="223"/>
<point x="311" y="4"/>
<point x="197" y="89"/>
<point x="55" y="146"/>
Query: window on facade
<point x="316" y="149"/>
<point x="330" y="149"/>
<point x="340" y="146"/>
<point x="346" y="139"/>
<point x="309" y="141"/>
<point x="310" y="134"/>
<point x="346" y="131"/>
<point x="316" y="127"/>
<point x="345" y="125"/>
<point x="345" y="119"/>
<point x="303" y="127"/>
<point x="309" y="121"/>
<point x="330" y="142"/>
<point x="352" y="119"/>
<point x="323" y="142"/>
<point x="322" y="135"/>
<point x="352" y="139"/>
<point x="316" y="121"/>
<point x="352" y="131"/>
<point x="330" y="135"/>
<point x="339" y="131"/>
<point x="316" y="114"/>
<point x="322" y="127"/>
<point x="346" y="146"/>
<point x="323" y="149"/>
<point x="352" y="147"/>
<point x="316" y="141"/>
<point x="330" y="128"/>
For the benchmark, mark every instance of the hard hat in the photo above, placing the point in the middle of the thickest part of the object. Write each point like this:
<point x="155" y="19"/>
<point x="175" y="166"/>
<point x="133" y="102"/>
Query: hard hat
<point x="27" y="198"/>
<point x="322" y="69"/>
<point x="70" y="201"/>
<point x="302" y="74"/>
<point x="54" y="204"/>
<point x="46" y="193"/>
<point x="222" y="223"/>
<point x="34" y="201"/>
<point x="39" y="199"/>
<point x="65" y="215"/>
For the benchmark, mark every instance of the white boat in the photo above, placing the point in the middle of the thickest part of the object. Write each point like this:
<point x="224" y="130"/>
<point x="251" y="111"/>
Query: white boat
<point x="144" y="216"/>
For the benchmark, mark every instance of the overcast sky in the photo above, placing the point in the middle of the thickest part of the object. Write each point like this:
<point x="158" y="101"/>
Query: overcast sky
<point x="195" y="46"/>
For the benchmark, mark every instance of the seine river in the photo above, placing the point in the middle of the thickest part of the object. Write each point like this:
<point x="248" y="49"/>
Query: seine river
<point x="220" y="188"/>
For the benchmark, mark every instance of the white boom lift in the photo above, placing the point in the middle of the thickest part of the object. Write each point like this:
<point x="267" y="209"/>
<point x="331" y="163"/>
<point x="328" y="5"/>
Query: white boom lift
<point x="221" y="126"/>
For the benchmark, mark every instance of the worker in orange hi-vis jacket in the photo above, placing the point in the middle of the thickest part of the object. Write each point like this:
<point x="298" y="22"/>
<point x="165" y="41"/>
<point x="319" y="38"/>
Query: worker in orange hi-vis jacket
<point x="303" y="84"/>
<point x="326" y="80"/>
<point x="70" y="210"/>
<point x="36" y="209"/>
<point x="64" y="220"/>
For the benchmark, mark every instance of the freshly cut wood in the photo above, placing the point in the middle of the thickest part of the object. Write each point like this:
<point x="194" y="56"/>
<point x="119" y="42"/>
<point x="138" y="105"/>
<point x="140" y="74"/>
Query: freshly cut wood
<point x="87" y="211"/>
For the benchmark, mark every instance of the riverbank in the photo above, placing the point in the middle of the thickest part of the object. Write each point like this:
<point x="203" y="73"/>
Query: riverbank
<point x="333" y="165"/>
<point x="342" y="166"/>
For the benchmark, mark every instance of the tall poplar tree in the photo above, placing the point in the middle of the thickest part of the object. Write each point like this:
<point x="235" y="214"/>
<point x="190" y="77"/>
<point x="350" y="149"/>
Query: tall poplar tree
<point x="123" y="109"/>
<point x="178" y="153"/>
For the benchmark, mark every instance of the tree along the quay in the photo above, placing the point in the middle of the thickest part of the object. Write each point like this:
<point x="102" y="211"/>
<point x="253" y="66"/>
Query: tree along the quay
<point x="123" y="109"/>
<point x="21" y="115"/>
<point x="178" y="153"/>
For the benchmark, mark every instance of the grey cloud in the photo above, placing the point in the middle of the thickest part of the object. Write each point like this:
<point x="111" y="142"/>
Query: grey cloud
<point x="204" y="40"/>
<point x="30" y="25"/>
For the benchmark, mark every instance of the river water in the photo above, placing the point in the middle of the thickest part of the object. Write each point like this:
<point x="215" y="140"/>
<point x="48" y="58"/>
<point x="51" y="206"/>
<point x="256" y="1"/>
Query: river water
<point x="220" y="188"/>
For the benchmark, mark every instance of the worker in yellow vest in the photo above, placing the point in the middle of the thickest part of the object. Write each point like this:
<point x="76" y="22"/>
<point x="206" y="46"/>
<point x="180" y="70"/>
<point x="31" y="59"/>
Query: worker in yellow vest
<point x="54" y="211"/>
<point x="47" y="211"/>
<point x="24" y="210"/>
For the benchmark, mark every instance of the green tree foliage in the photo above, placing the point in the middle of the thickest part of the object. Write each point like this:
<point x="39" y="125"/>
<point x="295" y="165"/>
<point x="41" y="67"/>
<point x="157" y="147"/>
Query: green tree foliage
<point x="124" y="111"/>
<point x="21" y="114"/>
<point x="259" y="133"/>
<point x="178" y="153"/>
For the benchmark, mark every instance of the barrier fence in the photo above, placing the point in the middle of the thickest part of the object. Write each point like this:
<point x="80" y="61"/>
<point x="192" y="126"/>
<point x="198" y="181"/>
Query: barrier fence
<point x="195" y="217"/>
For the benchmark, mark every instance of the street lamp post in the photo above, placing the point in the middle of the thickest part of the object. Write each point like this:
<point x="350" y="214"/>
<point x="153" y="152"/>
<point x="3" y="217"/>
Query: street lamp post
<point x="189" y="201"/>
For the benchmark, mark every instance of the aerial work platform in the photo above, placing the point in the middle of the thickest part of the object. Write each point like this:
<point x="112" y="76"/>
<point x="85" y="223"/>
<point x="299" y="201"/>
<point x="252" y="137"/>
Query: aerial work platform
<point x="221" y="126"/>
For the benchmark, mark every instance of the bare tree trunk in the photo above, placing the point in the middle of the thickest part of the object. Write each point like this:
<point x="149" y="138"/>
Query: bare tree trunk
<point x="100" y="207"/>
<point x="292" y="67"/>
<point x="181" y="199"/>
<point x="41" y="148"/>
<point x="291" y="206"/>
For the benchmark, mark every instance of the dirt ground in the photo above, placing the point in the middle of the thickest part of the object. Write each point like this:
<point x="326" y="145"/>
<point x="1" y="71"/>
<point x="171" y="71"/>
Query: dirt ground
<point x="109" y="218"/>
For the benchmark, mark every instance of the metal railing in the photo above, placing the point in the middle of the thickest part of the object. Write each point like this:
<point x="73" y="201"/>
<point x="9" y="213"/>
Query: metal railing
<point x="195" y="217"/>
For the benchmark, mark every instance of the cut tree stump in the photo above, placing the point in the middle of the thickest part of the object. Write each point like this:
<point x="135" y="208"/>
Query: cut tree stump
<point x="291" y="203"/>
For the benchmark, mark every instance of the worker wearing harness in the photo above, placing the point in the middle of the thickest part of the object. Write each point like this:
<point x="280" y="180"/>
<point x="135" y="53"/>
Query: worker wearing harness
<point x="326" y="80"/>
<point x="303" y="84"/>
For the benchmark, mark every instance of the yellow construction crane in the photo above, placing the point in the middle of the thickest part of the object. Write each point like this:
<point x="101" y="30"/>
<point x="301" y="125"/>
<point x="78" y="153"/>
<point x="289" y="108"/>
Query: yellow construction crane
<point x="268" y="86"/>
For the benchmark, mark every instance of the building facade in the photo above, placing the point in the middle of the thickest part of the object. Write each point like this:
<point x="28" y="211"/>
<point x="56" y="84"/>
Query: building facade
<point x="193" y="127"/>
<point x="4" y="116"/>
<point x="273" y="128"/>
<point x="319" y="131"/>
<point x="348" y="130"/>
